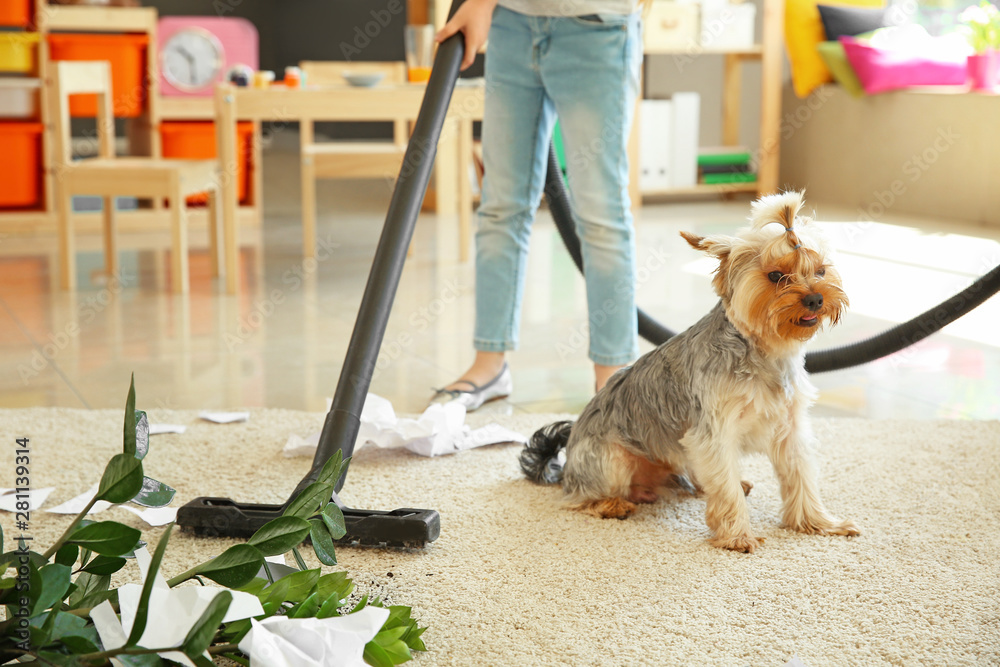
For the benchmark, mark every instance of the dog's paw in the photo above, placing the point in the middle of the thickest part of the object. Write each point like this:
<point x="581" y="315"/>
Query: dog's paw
<point x="608" y="508"/>
<point x="742" y="543"/>
<point x="827" y="526"/>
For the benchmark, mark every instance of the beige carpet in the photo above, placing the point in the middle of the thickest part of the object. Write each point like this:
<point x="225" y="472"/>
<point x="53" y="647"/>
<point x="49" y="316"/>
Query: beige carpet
<point x="514" y="580"/>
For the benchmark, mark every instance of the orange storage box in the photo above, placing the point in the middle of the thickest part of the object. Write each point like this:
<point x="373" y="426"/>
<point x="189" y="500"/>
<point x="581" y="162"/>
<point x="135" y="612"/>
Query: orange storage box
<point x="195" y="140"/>
<point x="127" y="55"/>
<point x="21" y="166"/>
<point x="15" y="13"/>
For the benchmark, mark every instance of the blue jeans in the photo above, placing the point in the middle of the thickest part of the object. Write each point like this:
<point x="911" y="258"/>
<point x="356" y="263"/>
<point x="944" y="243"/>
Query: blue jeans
<point x="585" y="71"/>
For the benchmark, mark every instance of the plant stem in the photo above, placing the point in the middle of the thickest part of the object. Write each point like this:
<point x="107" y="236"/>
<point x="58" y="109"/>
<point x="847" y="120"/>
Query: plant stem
<point x="103" y="655"/>
<point x="138" y="650"/>
<point x="69" y="531"/>
<point x="183" y="576"/>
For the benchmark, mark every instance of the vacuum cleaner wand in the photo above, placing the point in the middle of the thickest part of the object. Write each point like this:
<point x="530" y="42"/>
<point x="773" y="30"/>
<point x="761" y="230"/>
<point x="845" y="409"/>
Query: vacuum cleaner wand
<point x="402" y="527"/>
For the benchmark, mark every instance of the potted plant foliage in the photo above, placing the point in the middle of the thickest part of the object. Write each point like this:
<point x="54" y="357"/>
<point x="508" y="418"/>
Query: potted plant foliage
<point x="981" y="24"/>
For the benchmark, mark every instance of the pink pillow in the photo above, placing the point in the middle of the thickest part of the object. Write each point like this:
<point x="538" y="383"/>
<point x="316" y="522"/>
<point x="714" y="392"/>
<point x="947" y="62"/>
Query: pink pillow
<point x="880" y="70"/>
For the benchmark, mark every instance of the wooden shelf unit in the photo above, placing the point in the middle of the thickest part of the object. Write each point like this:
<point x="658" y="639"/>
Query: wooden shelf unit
<point x="143" y="132"/>
<point x="769" y="53"/>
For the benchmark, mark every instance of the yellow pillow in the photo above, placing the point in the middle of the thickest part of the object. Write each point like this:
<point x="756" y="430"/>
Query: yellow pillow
<point x="803" y="33"/>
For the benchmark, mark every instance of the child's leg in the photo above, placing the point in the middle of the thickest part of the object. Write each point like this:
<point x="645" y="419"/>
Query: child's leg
<point x="517" y="126"/>
<point x="591" y="72"/>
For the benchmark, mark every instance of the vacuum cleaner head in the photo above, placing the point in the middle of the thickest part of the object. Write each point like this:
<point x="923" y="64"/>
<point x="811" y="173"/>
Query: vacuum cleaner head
<point x="404" y="528"/>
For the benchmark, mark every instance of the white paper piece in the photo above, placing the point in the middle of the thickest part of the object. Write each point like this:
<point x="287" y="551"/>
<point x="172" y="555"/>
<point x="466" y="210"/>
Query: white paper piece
<point x="76" y="505"/>
<point x="36" y="498"/>
<point x="440" y="430"/>
<point x="157" y="429"/>
<point x="172" y="612"/>
<point x="154" y="516"/>
<point x="795" y="662"/>
<point x="279" y="559"/>
<point x="338" y="641"/>
<point x="297" y="446"/>
<point x="224" y="417"/>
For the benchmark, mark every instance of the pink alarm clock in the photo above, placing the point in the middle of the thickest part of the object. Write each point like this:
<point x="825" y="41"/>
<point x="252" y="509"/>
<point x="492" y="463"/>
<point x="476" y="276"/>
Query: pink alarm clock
<point x="196" y="52"/>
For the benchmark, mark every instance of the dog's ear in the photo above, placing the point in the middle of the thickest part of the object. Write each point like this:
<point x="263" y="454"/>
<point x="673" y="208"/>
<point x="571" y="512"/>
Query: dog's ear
<point x="714" y="246"/>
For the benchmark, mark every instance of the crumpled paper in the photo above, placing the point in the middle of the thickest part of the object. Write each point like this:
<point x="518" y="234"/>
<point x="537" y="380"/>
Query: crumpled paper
<point x="35" y="497"/>
<point x="172" y="612"/>
<point x="76" y="505"/>
<point x="338" y="641"/>
<point x="440" y="430"/>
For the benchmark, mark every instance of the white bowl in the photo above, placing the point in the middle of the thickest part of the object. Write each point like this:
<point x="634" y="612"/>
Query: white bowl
<point x="363" y="80"/>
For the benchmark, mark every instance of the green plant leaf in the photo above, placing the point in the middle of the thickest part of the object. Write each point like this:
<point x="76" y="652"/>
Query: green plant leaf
<point x="234" y="567"/>
<point x="333" y="517"/>
<point x="254" y="587"/>
<point x="42" y="636"/>
<point x="200" y="636"/>
<point x="376" y="656"/>
<point x="298" y="559"/>
<point x="362" y="603"/>
<point x="293" y="588"/>
<point x="79" y="645"/>
<point x="153" y="494"/>
<point x="67" y="554"/>
<point x="55" y="581"/>
<point x="202" y="661"/>
<point x="88" y="584"/>
<point x="141" y="434"/>
<point x="122" y="479"/>
<point x="322" y="542"/>
<point x="305" y="609"/>
<point x="329" y="608"/>
<point x="332" y="469"/>
<point x="105" y="565"/>
<point x="310" y="500"/>
<point x="279" y="535"/>
<point x="60" y="659"/>
<point x="11" y="557"/>
<point x="335" y="583"/>
<point x="147" y="660"/>
<point x="128" y="430"/>
<point x="142" y="610"/>
<point x="108" y="538"/>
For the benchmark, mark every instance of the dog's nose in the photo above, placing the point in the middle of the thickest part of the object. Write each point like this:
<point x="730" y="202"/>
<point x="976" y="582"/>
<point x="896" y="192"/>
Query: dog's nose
<point x="813" y="301"/>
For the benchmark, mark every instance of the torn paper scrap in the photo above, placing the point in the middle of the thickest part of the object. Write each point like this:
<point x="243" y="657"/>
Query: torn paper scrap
<point x="224" y="417"/>
<point x="440" y="430"/>
<point x="154" y="516"/>
<point x="158" y="429"/>
<point x="9" y="498"/>
<point x="297" y="446"/>
<point x="172" y="612"/>
<point x="76" y="505"/>
<point x="338" y="641"/>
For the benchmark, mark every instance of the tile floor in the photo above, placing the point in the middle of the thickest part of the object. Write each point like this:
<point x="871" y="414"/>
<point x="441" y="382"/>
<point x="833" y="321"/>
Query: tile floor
<point x="282" y="342"/>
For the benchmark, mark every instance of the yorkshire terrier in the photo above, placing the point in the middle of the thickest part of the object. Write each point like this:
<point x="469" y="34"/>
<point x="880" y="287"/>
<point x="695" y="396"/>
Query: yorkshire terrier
<point x="733" y="383"/>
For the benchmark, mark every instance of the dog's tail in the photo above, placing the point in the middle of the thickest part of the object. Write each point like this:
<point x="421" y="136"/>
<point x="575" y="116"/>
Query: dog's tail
<point x="539" y="459"/>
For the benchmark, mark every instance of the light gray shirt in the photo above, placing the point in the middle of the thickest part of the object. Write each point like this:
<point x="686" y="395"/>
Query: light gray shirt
<point x="570" y="7"/>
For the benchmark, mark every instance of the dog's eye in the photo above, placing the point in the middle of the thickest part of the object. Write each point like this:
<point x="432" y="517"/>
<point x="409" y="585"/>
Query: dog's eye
<point x="775" y="276"/>
<point x="821" y="272"/>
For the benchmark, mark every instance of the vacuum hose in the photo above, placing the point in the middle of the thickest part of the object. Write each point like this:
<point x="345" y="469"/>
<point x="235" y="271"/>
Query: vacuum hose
<point x="820" y="361"/>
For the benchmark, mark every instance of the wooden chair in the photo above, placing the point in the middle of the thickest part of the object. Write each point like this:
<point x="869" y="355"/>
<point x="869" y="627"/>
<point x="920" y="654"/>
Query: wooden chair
<point x="345" y="159"/>
<point x="109" y="176"/>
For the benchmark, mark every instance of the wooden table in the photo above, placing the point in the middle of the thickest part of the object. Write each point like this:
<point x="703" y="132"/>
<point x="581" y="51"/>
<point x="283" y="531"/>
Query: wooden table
<point x="347" y="103"/>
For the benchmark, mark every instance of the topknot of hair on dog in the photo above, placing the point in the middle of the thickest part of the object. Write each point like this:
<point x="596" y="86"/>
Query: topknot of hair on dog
<point x="782" y="209"/>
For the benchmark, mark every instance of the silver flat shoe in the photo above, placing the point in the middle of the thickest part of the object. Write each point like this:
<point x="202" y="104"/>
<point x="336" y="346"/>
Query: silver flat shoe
<point x="472" y="399"/>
